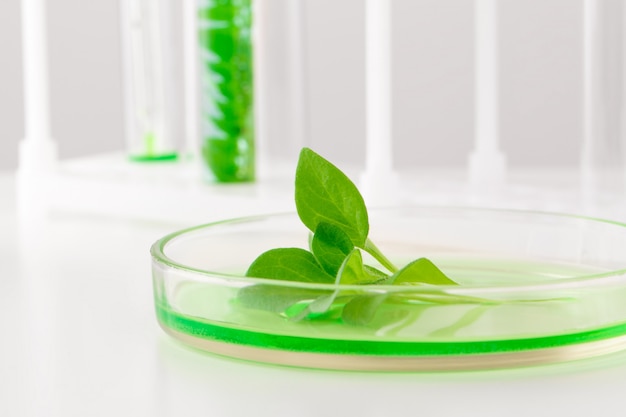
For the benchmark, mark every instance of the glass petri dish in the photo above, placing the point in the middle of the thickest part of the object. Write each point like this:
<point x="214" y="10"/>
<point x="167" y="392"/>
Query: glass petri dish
<point x="534" y="288"/>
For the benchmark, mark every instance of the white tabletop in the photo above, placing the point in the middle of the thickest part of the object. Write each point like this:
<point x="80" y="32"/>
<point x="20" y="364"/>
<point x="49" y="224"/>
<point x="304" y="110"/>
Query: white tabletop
<point x="80" y="338"/>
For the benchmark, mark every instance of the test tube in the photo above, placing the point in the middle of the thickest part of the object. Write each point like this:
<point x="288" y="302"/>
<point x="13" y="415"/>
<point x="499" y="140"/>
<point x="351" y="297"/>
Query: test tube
<point x="151" y="114"/>
<point x="603" y="156"/>
<point x="227" y="90"/>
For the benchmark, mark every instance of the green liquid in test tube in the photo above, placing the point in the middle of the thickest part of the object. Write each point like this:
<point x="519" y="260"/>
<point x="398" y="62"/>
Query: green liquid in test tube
<point x="149" y="77"/>
<point x="227" y="110"/>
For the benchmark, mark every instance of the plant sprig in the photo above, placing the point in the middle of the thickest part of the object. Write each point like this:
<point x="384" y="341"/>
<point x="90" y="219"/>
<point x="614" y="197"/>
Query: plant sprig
<point x="332" y="208"/>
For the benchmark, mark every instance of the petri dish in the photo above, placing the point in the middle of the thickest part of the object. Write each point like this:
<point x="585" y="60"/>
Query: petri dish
<point x="533" y="288"/>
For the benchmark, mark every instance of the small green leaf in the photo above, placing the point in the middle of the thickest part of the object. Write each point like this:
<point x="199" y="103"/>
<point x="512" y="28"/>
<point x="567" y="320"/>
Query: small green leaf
<point x="361" y="309"/>
<point x="423" y="271"/>
<point x="289" y="264"/>
<point x="374" y="276"/>
<point x="274" y="298"/>
<point x="440" y="297"/>
<point x="466" y="320"/>
<point x="350" y="272"/>
<point x="325" y="194"/>
<point x="317" y="307"/>
<point x="330" y="246"/>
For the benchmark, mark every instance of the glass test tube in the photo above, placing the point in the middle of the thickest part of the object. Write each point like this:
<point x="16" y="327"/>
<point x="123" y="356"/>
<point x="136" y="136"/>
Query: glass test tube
<point x="150" y="104"/>
<point x="603" y="157"/>
<point x="226" y="79"/>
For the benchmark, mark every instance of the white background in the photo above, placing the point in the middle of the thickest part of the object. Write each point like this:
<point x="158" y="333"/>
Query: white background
<point x="541" y="62"/>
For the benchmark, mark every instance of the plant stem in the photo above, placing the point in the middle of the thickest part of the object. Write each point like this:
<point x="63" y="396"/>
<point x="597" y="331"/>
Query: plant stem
<point x="378" y="255"/>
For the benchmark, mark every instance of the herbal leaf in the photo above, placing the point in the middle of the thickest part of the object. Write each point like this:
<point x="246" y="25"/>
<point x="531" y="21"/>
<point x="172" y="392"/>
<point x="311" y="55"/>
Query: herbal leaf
<point x="361" y="309"/>
<point x="374" y="276"/>
<point x="441" y="298"/>
<point x="330" y="246"/>
<point x="288" y="264"/>
<point x="350" y="272"/>
<point x="325" y="194"/>
<point x="274" y="298"/>
<point x="466" y="320"/>
<point x="306" y="309"/>
<point x="421" y="270"/>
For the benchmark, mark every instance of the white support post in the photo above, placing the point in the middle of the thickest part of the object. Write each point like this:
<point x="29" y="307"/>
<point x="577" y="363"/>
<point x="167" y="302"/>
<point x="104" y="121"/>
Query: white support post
<point x="37" y="151"/>
<point x="487" y="164"/>
<point x="379" y="182"/>
<point x="602" y="155"/>
<point x="261" y="104"/>
<point x="297" y="48"/>
<point x="591" y="102"/>
<point x="191" y="84"/>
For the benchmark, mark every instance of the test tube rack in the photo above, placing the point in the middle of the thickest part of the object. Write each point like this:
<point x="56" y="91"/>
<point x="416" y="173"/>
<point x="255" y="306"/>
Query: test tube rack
<point x="111" y="185"/>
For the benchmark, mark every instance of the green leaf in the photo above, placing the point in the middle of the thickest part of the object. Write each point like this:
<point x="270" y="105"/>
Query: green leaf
<point x="330" y="246"/>
<point x="274" y="298"/>
<point x="325" y="194"/>
<point x="466" y="320"/>
<point x="350" y="272"/>
<point x="440" y="298"/>
<point x="423" y="271"/>
<point x="289" y="264"/>
<point x="361" y="309"/>
<point x="310" y="309"/>
<point x="374" y="276"/>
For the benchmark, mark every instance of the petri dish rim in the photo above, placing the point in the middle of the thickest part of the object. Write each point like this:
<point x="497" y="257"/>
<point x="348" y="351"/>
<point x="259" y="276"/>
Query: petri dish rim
<point x="157" y="252"/>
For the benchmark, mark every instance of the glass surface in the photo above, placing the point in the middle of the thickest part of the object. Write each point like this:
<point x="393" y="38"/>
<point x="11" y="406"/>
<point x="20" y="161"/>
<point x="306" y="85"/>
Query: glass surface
<point x="533" y="288"/>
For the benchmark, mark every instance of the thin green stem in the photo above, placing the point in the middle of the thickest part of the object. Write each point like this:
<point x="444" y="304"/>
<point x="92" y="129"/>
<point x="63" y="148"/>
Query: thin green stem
<point x="378" y="255"/>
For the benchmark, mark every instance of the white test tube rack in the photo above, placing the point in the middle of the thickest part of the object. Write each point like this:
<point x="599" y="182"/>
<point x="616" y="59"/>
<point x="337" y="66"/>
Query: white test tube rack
<point x="110" y="185"/>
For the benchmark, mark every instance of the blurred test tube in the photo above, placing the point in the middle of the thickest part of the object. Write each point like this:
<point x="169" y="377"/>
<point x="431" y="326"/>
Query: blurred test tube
<point x="603" y="152"/>
<point x="151" y="111"/>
